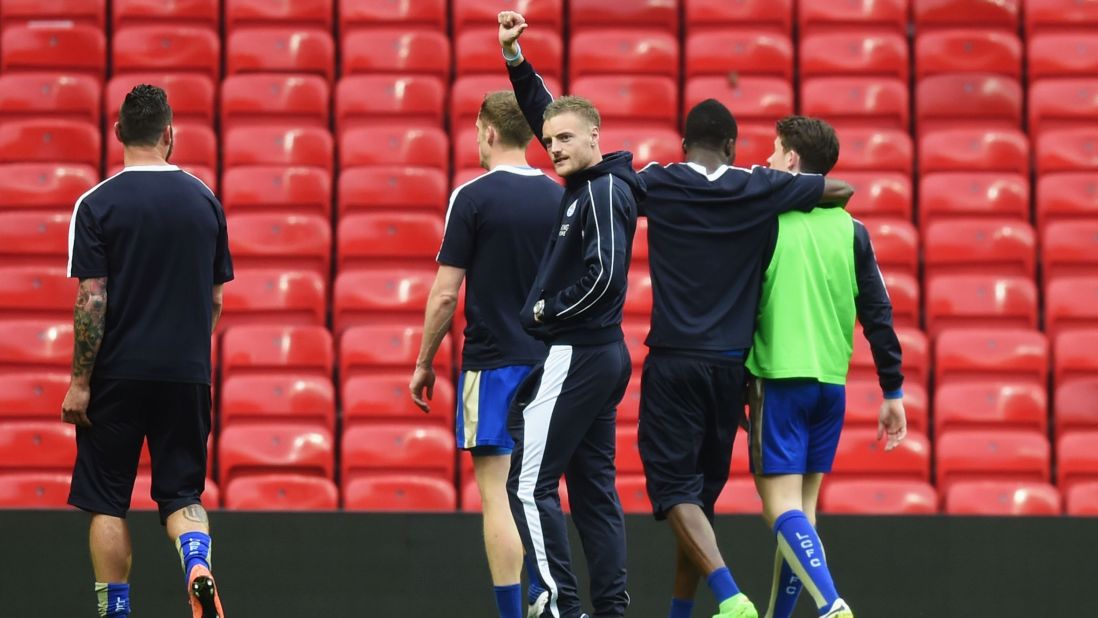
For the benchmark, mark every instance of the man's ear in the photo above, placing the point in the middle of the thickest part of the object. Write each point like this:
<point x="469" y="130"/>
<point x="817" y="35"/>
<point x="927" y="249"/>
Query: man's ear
<point x="684" y="146"/>
<point x="118" y="131"/>
<point x="594" y="137"/>
<point x="490" y="135"/>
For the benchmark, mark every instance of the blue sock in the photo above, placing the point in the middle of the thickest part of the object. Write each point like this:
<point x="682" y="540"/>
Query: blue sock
<point x="722" y="584"/>
<point x="534" y="590"/>
<point x="194" y="549"/>
<point x="802" y="549"/>
<point x="786" y="589"/>
<point x="509" y="601"/>
<point x="114" y="600"/>
<point x="681" y="608"/>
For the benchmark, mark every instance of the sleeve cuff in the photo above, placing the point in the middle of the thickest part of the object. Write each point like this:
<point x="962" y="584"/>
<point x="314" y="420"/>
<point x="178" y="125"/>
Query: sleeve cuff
<point x="895" y="394"/>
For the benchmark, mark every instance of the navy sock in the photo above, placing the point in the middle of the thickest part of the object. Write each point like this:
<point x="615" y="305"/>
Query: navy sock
<point x="534" y="590"/>
<point x="509" y="601"/>
<point x="114" y="600"/>
<point x="802" y="549"/>
<point x="194" y="549"/>
<point x="722" y="584"/>
<point x="785" y="589"/>
<point x="681" y="608"/>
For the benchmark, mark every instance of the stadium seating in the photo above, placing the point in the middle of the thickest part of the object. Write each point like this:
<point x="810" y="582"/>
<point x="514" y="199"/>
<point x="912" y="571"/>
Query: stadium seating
<point x="1001" y="498"/>
<point x="999" y="354"/>
<point x="32" y="292"/>
<point x="477" y="52"/>
<point x="878" y="194"/>
<point x="277" y="349"/>
<point x="401" y="52"/>
<point x="756" y="99"/>
<point x="961" y="301"/>
<point x="1082" y="499"/>
<point x="33" y="395"/>
<point x="397" y="447"/>
<point x="1066" y="196"/>
<point x="56" y="46"/>
<point x="288" y="49"/>
<point x="627" y="457"/>
<point x="916" y="364"/>
<point x="882" y="15"/>
<point x="32" y="345"/>
<point x="194" y="148"/>
<point x="896" y="244"/>
<point x="864" y="398"/>
<point x="1068" y="249"/>
<point x="468" y="91"/>
<point x="380" y="295"/>
<point x="308" y="13"/>
<point x="991" y="454"/>
<point x="394" y="145"/>
<point x="633" y="493"/>
<point x="34" y="490"/>
<point x="274" y="145"/>
<point x="966" y="100"/>
<point x="904" y="291"/>
<point x="280" y="241"/>
<point x="774" y="15"/>
<point x="1001" y="14"/>
<point x="280" y="397"/>
<point x="875" y="150"/>
<point x="635" y="332"/>
<point x="274" y="99"/>
<point x="623" y="52"/>
<point x="379" y="100"/>
<point x="1070" y="305"/>
<point x="980" y="246"/>
<point x="273" y="296"/>
<point x="1068" y="150"/>
<point x="400" y="493"/>
<point x="861" y="53"/>
<point x="395" y="189"/>
<point x="167" y="48"/>
<point x="1062" y="103"/>
<point x="358" y="13"/>
<point x="634" y="14"/>
<point x="866" y="102"/>
<point x="274" y="447"/>
<point x="383" y="398"/>
<point x="638" y="101"/>
<point x="1076" y="458"/>
<point x="878" y="497"/>
<point x="49" y="95"/>
<point x="740" y="50"/>
<point x="990" y="405"/>
<point x="388" y="238"/>
<point x="88" y="12"/>
<point x="962" y="149"/>
<point x="739" y="497"/>
<point x="968" y="50"/>
<point x="1062" y="54"/>
<point x="629" y="407"/>
<point x="37" y="446"/>
<point x="281" y="492"/>
<point x="141" y="500"/>
<point x="301" y="191"/>
<point x="1073" y="355"/>
<point x="955" y="195"/>
<point x="1074" y="405"/>
<point x="861" y="456"/>
<point x="49" y="140"/>
<point x="371" y="349"/>
<point x="44" y="186"/>
<point x="34" y="238"/>
<point x="191" y="96"/>
<point x="204" y="13"/>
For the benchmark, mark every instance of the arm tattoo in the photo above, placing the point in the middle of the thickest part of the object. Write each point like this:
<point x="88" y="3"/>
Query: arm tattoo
<point x="195" y="513"/>
<point x="89" y="320"/>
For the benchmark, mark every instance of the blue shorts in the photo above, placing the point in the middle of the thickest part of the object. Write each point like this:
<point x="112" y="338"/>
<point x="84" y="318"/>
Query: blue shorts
<point x="483" y="403"/>
<point x="795" y="425"/>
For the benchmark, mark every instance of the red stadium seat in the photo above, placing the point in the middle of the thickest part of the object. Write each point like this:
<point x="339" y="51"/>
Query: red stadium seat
<point x="587" y="15"/>
<point x="476" y="50"/>
<point x="877" y="150"/>
<point x="618" y="51"/>
<point x="301" y="13"/>
<point x="389" y="239"/>
<point x="949" y="196"/>
<point x="1068" y="249"/>
<point x="1071" y="304"/>
<point x="755" y="144"/>
<point x="991" y="454"/>
<point x="1082" y="499"/>
<point x="48" y="140"/>
<point x="205" y="13"/>
<point x="857" y="101"/>
<point x="280" y="241"/>
<point x="44" y="186"/>
<point x="990" y="405"/>
<point x="1074" y="404"/>
<point x="638" y="294"/>
<point x="1073" y="354"/>
<point x="33" y="292"/>
<point x="289" y="448"/>
<point x="1066" y="196"/>
<point x="395" y="145"/>
<point x="281" y="492"/>
<point x="1077" y="458"/>
<point x="1062" y="104"/>
<point x="56" y="46"/>
<point x="964" y="99"/>
<point x="86" y="12"/>
<point x="1063" y="54"/>
<point x="643" y="101"/>
<point x="190" y="95"/>
<point x="896" y="244"/>
<point x="742" y="51"/>
<point x="273" y="188"/>
<point x="904" y="291"/>
<point x="279" y="397"/>
<point x="371" y="349"/>
<point x="49" y="95"/>
<point x="419" y="191"/>
<point x="864" y="398"/>
<point x="415" y="51"/>
<point x="398" y="447"/>
<point x="640" y="244"/>
<point x="37" y="446"/>
<point x="974" y="150"/>
<point x="467" y="151"/>
<point x="980" y="246"/>
<point x="34" y="238"/>
<point x="141" y="500"/>
<point x="1002" y="14"/>
<point x="292" y="350"/>
<point x="273" y="145"/>
<point x="916" y="360"/>
<point x="1001" y="498"/>
<point x="962" y="301"/>
<point x="399" y="493"/>
<point x="629" y="408"/>
<point x="195" y="147"/>
<point x="168" y="47"/>
<point x="274" y="296"/>
<point x="739" y="497"/>
<point x="627" y="457"/>
<point x="633" y="493"/>
<point x="33" y="395"/>
<point x="286" y="49"/>
<point x="544" y="15"/>
<point x="975" y="354"/>
<point x="468" y="92"/>
<point x="381" y="100"/>
<point x="878" y="497"/>
<point x="829" y="16"/>
<point x="636" y="331"/>
<point x="754" y="99"/>
<point x="34" y="490"/>
<point x="33" y="345"/>
<point x="274" y="99"/>
<point x="357" y="13"/>
<point x="775" y="15"/>
<point x="1048" y="15"/>
<point x="383" y="397"/>
<point x="857" y="53"/>
<point x="861" y="456"/>
<point x="654" y="145"/>
<point x="1068" y="150"/>
<point x="968" y="50"/>
<point x="381" y="295"/>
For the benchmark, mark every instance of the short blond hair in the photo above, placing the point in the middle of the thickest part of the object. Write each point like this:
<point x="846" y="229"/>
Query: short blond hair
<point x="501" y="110"/>
<point x="575" y="105"/>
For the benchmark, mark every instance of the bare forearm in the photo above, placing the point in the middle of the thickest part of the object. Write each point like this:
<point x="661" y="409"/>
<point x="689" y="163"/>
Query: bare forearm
<point x="89" y="322"/>
<point x="440" y="314"/>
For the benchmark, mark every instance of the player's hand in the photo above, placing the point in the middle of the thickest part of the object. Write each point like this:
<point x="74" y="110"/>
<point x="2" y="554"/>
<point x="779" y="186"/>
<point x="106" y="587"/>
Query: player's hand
<point x="423" y="379"/>
<point x="511" y="26"/>
<point x="74" y="409"/>
<point x="892" y="423"/>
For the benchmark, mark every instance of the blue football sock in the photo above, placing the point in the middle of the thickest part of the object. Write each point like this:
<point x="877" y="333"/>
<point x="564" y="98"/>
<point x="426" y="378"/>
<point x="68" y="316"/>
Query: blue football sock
<point x="534" y="590"/>
<point x="681" y="608"/>
<point x="114" y="600"/>
<point x="509" y="601"/>
<point x="785" y="589"/>
<point x="194" y="549"/>
<point x="802" y="549"/>
<point x="722" y="584"/>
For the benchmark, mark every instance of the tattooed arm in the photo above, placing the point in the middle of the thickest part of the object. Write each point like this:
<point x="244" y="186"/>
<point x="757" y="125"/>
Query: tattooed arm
<point x="89" y="320"/>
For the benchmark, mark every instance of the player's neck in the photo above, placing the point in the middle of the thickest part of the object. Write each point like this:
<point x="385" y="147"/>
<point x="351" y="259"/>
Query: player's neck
<point x="510" y="158"/>
<point x="134" y="157"/>
<point x="711" y="160"/>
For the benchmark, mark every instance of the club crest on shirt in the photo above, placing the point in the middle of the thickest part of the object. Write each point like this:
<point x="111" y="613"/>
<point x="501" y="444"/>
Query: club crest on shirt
<point x="564" y="229"/>
<point x="571" y="209"/>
